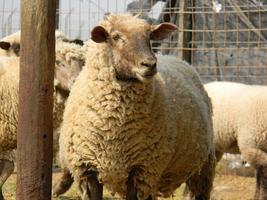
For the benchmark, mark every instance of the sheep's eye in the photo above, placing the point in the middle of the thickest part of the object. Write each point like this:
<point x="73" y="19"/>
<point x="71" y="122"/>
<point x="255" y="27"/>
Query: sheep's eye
<point x="116" y="37"/>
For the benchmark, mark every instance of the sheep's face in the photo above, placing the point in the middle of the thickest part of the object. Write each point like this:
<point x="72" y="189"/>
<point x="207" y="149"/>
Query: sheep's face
<point x="129" y="42"/>
<point x="9" y="49"/>
<point x="66" y="72"/>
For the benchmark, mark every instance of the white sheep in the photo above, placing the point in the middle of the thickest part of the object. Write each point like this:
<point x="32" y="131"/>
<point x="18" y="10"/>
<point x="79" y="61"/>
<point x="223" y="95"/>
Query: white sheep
<point x="140" y="134"/>
<point x="240" y="125"/>
<point x="69" y="62"/>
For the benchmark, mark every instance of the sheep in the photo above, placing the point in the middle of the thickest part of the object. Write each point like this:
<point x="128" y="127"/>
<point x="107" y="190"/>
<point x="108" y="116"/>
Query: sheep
<point x="69" y="52"/>
<point x="240" y="125"/>
<point x="69" y="62"/>
<point x="138" y="132"/>
<point x="10" y="45"/>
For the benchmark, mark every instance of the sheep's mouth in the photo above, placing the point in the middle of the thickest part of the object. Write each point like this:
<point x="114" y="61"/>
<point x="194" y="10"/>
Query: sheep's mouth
<point x="147" y="73"/>
<point x="151" y="73"/>
<point x="145" y="76"/>
<point x="139" y="74"/>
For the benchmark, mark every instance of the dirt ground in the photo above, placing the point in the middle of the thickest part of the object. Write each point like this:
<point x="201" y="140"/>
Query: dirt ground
<point x="227" y="187"/>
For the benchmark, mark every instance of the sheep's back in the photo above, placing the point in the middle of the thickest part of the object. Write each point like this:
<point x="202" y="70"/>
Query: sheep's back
<point x="190" y="108"/>
<point x="239" y="112"/>
<point x="9" y="107"/>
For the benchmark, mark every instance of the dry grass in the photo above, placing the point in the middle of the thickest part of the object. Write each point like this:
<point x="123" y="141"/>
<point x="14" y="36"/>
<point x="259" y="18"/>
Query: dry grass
<point x="226" y="187"/>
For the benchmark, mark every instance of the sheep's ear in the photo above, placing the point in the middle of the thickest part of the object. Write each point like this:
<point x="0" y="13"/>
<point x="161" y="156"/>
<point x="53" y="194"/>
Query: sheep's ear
<point x="99" y="34"/>
<point x="162" y="31"/>
<point x="5" y="45"/>
<point x="78" y="41"/>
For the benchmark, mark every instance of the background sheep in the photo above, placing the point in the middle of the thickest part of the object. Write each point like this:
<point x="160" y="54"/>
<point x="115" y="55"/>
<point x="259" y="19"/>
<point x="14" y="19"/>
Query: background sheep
<point x="10" y="45"/>
<point x="240" y="125"/>
<point x="140" y="134"/>
<point x="69" y="62"/>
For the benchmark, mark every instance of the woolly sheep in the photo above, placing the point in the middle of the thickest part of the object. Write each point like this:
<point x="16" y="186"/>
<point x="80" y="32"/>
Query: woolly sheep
<point x="69" y="61"/>
<point x="69" y="52"/>
<point x="240" y="125"/>
<point x="10" y="45"/>
<point x="140" y="134"/>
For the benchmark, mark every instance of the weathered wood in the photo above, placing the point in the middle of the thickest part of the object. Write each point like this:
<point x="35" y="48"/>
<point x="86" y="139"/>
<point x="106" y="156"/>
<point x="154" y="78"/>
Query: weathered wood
<point x="35" y="129"/>
<point x="181" y="30"/>
<point x="184" y="37"/>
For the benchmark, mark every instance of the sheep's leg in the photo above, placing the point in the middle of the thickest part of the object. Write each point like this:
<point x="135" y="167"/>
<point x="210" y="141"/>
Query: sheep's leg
<point x="218" y="156"/>
<point x="6" y="169"/>
<point x="131" y="188"/>
<point x="256" y="157"/>
<point x="90" y="187"/>
<point x="1" y="195"/>
<point x="64" y="183"/>
<point x="258" y="180"/>
<point x="263" y="183"/>
<point x="200" y="184"/>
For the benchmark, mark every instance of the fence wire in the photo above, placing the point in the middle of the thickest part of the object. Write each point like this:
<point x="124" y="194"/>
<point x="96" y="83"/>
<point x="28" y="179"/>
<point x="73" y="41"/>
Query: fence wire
<point x="223" y="39"/>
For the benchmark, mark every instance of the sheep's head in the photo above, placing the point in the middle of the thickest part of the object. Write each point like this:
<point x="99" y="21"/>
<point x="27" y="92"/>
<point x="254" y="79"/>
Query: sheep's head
<point x="9" y="49"/>
<point x="10" y="45"/>
<point x="69" y="58"/>
<point x="67" y="68"/>
<point x="128" y="38"/>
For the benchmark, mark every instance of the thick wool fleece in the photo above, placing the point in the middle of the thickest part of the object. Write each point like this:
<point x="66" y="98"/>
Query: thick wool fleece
<point x="240" y="120"/>
<point x="69" y="50"/>
<point x="8" y="102"/>
<point x="162" y="127"/>
<point x="69" y="54"/>
<point x="66" y="54"/>
<point x="9" y="84"/>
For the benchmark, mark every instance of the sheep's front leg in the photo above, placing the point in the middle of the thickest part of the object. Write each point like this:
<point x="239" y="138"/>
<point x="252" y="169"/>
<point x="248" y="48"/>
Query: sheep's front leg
<point x="6" y="169"/>
<point x="90" y="187"/>
<point x="131" y="188"/>
<point x="63" y="184"/>
<point x="200" y="184"/>
<point x="263" y="183"/>
<point x="258" y="180"/>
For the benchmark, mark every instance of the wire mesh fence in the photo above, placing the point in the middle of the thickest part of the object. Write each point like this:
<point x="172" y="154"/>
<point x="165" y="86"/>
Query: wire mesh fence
<point x="223" y="39"/>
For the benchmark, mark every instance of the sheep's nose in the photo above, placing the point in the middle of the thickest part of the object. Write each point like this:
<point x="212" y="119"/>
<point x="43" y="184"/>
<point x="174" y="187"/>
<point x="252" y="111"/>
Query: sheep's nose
<point x="149" y="63"/>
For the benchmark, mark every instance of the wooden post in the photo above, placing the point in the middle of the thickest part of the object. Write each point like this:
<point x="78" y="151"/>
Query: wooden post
<point x="184" y="37"/>
<point x="35" y="129"/>
<point x="57" y="14"/>
<point x="181" y="30"/>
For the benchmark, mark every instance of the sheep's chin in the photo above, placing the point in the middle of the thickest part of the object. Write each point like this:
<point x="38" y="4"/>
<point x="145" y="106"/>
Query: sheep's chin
<point x="144" y="78"/>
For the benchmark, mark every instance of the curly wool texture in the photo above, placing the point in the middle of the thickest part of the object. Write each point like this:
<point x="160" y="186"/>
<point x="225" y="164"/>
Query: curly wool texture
<point x="9" y="84"/>
<point x="69" y="54"/>
<point x="162" y="127"/>
<point x="240" y="120"/>
<point x="8" y="102"/>
<point x="69" y="51"/>
<point x="66" y="56"/>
